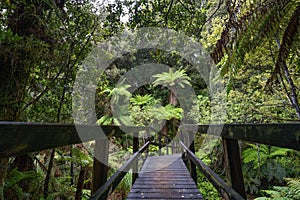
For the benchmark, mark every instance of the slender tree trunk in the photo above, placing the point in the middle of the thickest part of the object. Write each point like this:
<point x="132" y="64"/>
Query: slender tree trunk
<point x="3" y="174"/>
<point x="80" y="184"/>
<point x="48" y="175"/>
<point x="292" y="93"/>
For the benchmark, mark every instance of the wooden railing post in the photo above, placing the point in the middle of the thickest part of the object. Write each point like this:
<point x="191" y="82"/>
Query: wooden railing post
<point x="135" y="165"/>
<point x="233" y="165"/>
<point x="167" y="145"/>
<point x="159" y="143"/>
<point x="100" y="169"/>
<point x="192" y="165"/>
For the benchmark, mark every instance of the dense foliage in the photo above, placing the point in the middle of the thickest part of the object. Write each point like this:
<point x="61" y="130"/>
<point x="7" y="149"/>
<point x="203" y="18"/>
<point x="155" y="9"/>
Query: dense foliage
<point x="254" y="43"/>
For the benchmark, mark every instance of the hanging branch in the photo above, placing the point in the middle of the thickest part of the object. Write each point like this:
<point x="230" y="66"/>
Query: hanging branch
<point x="52" y="82"/>
<point x="168" y="12"/>
<point x="209" y="18"/>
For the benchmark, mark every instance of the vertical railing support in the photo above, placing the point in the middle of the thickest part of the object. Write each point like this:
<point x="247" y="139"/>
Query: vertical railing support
<point x="100" y="167"/>
<point x="233" y="165"/>
<point x="159" y="143"/>
<point x="192" y="165"/>
<point x="135" y="165"/>
<point x="167" y="145"/>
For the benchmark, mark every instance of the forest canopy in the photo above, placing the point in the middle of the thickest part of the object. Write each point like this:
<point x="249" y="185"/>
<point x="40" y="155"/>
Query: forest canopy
<point x="254" y="45"/>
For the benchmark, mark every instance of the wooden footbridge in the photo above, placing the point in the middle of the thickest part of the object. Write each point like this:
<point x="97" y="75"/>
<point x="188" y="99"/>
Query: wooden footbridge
<point x="170" y="176"/>
<point x="164" y="177"/>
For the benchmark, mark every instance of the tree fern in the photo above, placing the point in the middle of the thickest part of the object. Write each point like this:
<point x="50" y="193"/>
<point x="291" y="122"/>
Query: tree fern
<point x="170" y="79"/>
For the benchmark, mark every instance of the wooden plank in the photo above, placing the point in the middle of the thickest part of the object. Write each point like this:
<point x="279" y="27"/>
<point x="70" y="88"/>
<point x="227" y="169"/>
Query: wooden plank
<point x="164" y="177"/>
<point x="168" y="190"/>
<point x="177" y="186"/>
<point x="165" y="195"/>
<point x="163" y="172"/>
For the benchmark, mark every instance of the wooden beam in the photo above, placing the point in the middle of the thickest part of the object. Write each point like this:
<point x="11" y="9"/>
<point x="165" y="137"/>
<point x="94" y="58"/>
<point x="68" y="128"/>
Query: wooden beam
<point x="135" y="165"/>
<point x="100" y="168"/>
<point x="286" y="135"/>
<point x="116" y="178"/>
<point x="223" y="188"/>
<point x="18" y="138"/>
<point x="234" y="165"/>
<point x="191" y="143"/>
<point x="280" y="135"/>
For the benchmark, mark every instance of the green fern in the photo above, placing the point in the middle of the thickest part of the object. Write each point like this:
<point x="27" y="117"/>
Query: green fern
<point x="15" y="177"/>
<point x="261" y="153"/>
<point x="289" y="192"/>
<point x="142" y="99"/>
<point x="294" y="187"/>
<point x="277" y="151"/>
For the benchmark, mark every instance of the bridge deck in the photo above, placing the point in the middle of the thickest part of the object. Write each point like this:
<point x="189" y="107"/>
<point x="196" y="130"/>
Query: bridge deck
<point x="164" y="177"/>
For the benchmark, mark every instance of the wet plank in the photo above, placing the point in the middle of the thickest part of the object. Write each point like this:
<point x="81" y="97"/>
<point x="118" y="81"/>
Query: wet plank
<point x="164" y="177"/>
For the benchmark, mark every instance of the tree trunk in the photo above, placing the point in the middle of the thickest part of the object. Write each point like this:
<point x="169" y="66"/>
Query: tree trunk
<point x="292" y="93"/>
<point x="14" y="74"/>
<point x="80" y="184"/>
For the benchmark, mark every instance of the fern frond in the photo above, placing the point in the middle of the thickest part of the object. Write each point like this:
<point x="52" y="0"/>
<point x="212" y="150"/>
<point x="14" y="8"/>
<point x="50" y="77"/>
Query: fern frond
<point x="261" y="22"/>
<point x="294" y="187"/>
<point x="291" y="31"/>
<point x="277" y="151"/>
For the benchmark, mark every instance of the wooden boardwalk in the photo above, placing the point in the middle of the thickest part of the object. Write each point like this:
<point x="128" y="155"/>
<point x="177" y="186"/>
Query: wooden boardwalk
<point x="164" y="177"/>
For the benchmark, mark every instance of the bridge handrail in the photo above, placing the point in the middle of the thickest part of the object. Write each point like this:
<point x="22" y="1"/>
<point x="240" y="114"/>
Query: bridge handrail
<point x="285" y="135"/>
<point x="117" y="177"/>
<point x="21" y="138"/>
<point x="217" y="182"/>
<point x="41" y="136"/>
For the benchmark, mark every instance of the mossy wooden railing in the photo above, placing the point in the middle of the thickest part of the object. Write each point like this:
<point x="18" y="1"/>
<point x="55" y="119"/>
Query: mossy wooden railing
<point x="20" y="138"/>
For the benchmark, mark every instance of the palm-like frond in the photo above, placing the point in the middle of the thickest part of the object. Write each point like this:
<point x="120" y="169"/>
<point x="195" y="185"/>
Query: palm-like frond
<point x="244" y="32"/>
<point x="117" y="92"/>
<point x="167" y="112"/>
<point x="294" y="186"/>
<point x="141" y="99"/>
<point x="292" y="30"/>
<point x="170" y="79"/>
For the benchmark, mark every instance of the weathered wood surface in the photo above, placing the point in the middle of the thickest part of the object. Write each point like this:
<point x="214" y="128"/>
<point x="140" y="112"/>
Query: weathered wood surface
<point x="286" y="135"/>
<point x="21" y="137"/>
<point x="233" y="165"/>
<point x="117" y="177"/>
<point x="164" y="177"/>
<point x="224" y="189"/>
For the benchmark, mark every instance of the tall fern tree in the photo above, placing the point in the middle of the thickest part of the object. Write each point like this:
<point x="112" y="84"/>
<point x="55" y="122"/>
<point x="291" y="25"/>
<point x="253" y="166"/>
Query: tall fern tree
<point x="173" y="81"/>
